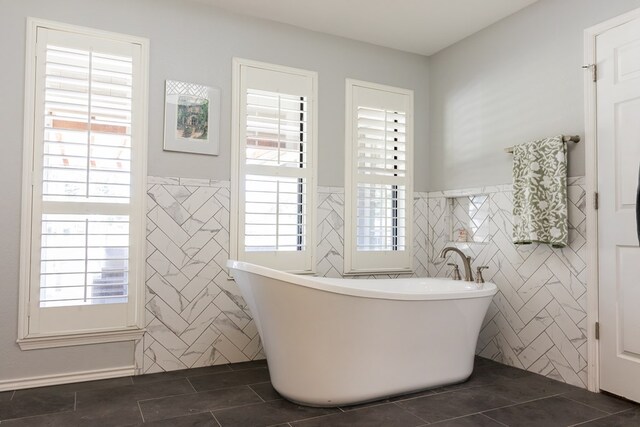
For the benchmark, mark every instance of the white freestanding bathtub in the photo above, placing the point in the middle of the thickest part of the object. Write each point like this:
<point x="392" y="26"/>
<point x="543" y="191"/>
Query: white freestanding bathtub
<point x="333" y="342"/>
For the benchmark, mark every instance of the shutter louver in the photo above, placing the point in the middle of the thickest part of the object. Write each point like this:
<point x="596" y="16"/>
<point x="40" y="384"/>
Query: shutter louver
<point x="275" y="214"/>
<point x="87" y="126"/>
<point x="84" y="259"/>
<point x="381" y="207"/>
<point x="381" y="142"/>
<point x="86" y="165"/>
<point x="276" y="166"/>
<point x="276" y="130"/>
<point x="381" y="217"/>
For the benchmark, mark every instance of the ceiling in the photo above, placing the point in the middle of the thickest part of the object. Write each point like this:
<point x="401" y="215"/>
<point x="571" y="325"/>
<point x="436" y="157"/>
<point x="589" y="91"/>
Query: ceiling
<point x="418" y="26"/>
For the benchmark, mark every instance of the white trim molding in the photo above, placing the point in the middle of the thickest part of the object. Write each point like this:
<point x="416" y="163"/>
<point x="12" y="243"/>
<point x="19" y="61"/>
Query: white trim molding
<point x="131" y="326"/>
<point x="591" y="178"/>
<point x="67" y="378"/>
<point x="35" y="343"/>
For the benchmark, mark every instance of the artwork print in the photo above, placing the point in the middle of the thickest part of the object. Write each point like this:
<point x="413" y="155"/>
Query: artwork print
<point x="192" y="116"/>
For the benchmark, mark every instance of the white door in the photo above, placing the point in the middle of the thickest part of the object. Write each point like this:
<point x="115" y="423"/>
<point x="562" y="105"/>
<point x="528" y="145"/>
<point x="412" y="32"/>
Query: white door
<point x="618" y="142"/>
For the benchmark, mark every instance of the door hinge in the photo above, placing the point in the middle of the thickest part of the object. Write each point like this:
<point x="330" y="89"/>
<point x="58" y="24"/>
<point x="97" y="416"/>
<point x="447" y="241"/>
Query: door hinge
<point x="594" y="71"/>
<point x="597" y="330"/>
<point x="596" y="201"/>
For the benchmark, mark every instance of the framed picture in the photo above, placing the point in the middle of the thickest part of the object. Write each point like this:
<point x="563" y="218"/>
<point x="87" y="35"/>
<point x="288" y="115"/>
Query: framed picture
<point x="191" y="118"/>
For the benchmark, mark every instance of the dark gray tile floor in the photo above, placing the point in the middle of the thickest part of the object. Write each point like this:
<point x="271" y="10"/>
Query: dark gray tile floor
<point x="241" y="395"/>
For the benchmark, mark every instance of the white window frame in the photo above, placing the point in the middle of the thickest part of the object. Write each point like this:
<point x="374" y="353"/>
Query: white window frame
<point x="292" y="261"/>
<point x="28" y="338"/>
<point x="368" y="262"/>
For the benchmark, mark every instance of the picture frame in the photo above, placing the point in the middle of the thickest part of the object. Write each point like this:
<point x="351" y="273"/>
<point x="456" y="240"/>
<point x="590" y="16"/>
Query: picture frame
<point x="191" y="118"/>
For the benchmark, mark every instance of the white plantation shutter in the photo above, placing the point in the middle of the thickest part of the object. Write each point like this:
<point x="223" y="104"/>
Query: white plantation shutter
<point x="274" y="182"/>
<point x="88" y="178"/>
<point x="382" y="142"/>
<point x="379" y="178"/>
<point x="85" y="259"/>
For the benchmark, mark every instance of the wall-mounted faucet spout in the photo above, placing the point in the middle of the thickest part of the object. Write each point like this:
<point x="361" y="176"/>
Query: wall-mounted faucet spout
<point x="466" y="260"/>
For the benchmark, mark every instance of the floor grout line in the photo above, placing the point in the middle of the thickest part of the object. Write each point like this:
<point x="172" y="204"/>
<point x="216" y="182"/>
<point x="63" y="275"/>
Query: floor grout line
<point x="240" y="406"/>
<point x="140" y="409"/>
<point x="193" y="392"/>
<point x="35" y="416"/>
<point x="521" y="403"/>
<point x="313" y="417"/>
<point x="624" y="410"/>
<point x="214" y="417"/>
<point x="255" y="392"/>
<point x="493" y="419"/>
<point x="191" y="384"/>
<point x="592" y="419"/>
<point x="409" y="412"/>
<point x="463" y="416"/>
<point x="184" y="376"/>
<point x="591" y="406"/>
<point x="368" y="405"/>
<point x="171" y="395"/>
<point x="584" y="404"/>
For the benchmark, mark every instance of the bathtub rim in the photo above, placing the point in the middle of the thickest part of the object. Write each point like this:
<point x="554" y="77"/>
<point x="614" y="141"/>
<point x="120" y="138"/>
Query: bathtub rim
<point x="327" y="285"/>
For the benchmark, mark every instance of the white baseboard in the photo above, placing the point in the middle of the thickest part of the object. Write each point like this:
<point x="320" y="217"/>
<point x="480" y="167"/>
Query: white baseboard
<point x="72" y="377"/>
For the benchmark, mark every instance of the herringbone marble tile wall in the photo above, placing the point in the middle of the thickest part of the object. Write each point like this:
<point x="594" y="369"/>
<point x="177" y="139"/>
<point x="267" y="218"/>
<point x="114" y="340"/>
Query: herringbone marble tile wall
<point x="195" y="316"/>
<point x="537" y="321"/>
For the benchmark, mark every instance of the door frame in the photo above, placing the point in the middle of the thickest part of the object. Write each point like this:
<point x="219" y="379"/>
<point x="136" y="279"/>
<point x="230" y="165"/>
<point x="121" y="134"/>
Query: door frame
<point x="591" y="180"/>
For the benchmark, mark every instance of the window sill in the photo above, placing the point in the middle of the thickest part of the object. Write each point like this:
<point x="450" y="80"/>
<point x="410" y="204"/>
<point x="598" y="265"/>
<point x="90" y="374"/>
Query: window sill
<point x="39" y="342"/>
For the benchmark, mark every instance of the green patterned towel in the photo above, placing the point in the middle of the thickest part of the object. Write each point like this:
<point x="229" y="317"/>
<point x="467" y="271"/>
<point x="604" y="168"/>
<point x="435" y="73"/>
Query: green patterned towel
<point x="540" y="192"/>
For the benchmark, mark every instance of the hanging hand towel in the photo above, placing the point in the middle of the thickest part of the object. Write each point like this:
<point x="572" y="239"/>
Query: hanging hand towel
<point x="540" y="192"/>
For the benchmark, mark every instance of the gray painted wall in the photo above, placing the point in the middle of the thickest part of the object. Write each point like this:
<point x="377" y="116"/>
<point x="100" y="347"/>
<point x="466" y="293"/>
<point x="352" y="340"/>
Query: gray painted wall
<point x="189" y="42"/>
<point x="517" y="80"/>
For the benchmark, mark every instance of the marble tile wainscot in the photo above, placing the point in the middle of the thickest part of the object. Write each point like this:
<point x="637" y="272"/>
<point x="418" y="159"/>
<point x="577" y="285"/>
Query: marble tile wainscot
<point x="537" y="321"/>
<point x="195" y="316"/>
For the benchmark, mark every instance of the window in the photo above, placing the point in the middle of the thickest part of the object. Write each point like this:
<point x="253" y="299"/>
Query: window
<point x="379" y="178"/>
<point x="85" y="169"/>
<point x="274" y="161"/>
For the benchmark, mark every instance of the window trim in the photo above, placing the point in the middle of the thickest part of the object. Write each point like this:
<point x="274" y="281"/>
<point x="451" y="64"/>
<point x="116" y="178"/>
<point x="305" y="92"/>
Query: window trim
<point x="235" y="223"/>
<point x="27" y="340"/>
<point x="351" y="174"/>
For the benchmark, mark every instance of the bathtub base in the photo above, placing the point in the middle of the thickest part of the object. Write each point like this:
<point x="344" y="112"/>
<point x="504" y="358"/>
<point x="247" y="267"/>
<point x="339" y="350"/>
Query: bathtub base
<point x="376" y="399"/>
